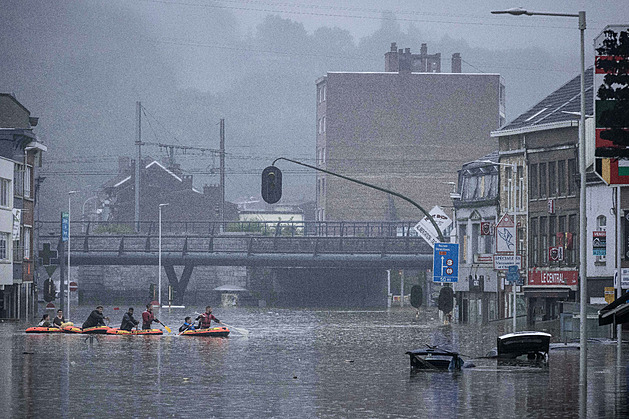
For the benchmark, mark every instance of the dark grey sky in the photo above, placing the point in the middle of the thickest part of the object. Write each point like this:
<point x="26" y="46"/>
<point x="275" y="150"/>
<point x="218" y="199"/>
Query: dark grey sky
<point x="80" y="66"/>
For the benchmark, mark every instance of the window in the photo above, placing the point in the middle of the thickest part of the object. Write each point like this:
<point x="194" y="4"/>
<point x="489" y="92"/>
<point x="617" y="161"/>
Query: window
<point x="520" y="186"/>
<point x="18" y="180"/>
<point x="572" y="181"/>
<point x="534" y="243"/>
<point x="571" y="258"/>
<point x="5" y="193"/>
<point x="4" y="246"/>
<point x="542" y="180"/>
<point x="28" y="176"/>
<point x="543" y="240"/>
<point x="27" y="242"/>
<point x="463" y="243"/>
<point x="509" y="191"/>
<point x="552" y="178"/>
<point x="533" y="182"/>
<point x="561" y="177"/>
<point x="475" y="238"/>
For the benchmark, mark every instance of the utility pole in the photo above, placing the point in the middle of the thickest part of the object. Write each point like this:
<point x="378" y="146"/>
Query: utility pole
<point x="138" y="143"/>
<point x="222" y="181"/>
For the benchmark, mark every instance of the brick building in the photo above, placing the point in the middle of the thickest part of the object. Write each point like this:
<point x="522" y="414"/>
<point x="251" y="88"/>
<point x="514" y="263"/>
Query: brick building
<point x="20" y="158"/>
<point x="408" y="129"/>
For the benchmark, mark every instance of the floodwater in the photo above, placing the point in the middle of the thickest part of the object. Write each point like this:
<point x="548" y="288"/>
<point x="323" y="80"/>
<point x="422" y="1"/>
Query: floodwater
<point x="295" y="364"/>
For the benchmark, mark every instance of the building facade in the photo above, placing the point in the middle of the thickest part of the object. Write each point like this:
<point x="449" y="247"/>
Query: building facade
<point x="478" y="290"/>
<point x="543" y="144"/>
<point x="403" y="130"/>
<point x="20" y="155"/>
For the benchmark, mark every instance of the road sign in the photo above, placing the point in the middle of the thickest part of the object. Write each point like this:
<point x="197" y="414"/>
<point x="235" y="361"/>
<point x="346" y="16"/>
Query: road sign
<point x="513" y="274"/>
<point x="427" y="231"/>
<point x="505" y="235"/>
<point x="65" y="226"/>
<point x="73" y="286"/>
<point x="445" y="265"/>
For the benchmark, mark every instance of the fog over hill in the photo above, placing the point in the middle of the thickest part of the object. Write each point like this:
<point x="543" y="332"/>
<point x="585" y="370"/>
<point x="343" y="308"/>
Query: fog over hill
<point x="81" y="66"/>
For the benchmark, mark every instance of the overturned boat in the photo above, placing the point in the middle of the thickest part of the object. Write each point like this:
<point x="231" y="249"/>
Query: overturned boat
<point x="435" y="359"/>
<point x="534" y="346"/>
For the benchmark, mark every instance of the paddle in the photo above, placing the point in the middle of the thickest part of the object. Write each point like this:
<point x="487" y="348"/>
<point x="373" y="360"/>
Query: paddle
<point x="165" y="327"/>
<point x="237" y="329"/>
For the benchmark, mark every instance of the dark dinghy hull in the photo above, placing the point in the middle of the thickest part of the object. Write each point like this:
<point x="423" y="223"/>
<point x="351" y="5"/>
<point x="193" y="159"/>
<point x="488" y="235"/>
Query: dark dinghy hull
<point x="434" y="359"/>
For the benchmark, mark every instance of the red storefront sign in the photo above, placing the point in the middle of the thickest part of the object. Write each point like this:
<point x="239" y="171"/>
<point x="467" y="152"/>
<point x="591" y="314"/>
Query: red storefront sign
<point x="538" y="277"/>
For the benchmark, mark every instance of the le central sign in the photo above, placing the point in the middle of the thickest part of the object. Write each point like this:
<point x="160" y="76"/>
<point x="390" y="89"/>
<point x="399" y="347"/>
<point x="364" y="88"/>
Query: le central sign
<point x="546" y="278"/>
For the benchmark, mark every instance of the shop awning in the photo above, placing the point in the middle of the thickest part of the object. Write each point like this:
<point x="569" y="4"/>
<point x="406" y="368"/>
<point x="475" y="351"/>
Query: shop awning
<point x="561" y="293"/>
<point x="616" y="312"/>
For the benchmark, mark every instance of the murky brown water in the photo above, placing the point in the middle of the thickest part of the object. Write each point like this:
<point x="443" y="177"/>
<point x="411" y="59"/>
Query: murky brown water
<point x="294" y="363"/>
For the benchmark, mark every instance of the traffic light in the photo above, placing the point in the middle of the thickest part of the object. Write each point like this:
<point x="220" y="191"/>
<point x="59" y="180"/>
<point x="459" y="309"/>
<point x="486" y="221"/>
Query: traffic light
<point x="271" y="184"/>
<point x="416" y="296"/>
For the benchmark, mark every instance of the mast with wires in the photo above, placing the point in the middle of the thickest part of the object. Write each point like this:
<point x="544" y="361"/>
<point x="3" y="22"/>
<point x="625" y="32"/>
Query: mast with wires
<point x="138" y="143"/>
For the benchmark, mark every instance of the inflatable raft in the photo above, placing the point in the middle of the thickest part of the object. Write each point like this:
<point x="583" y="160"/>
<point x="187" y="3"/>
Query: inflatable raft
<point x="135" y="332"/>
<point x="97" y="330"/>
<point x="41" y="329"/>
<point x="72" y="329"/>
<point x="215" y="332"/>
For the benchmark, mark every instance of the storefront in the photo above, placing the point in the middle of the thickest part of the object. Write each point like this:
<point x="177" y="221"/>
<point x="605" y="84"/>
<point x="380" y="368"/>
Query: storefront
<point x="545" y="290"/>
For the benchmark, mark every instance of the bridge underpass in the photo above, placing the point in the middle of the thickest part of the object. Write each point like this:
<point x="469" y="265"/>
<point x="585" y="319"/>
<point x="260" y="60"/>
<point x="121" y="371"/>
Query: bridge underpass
<point x="280" y="269"/>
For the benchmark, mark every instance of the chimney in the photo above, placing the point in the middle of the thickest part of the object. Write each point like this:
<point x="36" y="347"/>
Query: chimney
<point x="456" y="62"/>
<point x="405" y="61"/>
<point x="187" y="181"/>
<point x="391" y="60"/>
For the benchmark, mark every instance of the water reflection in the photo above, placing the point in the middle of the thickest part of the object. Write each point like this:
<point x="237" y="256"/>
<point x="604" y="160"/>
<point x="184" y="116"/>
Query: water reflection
<point x="297" y="364"/>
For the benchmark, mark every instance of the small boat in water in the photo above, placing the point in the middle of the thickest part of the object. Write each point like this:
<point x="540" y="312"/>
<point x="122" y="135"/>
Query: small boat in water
<point x="215" y="332"/>
<point x="532" y="345"/>
<point x="41" y="329"/>
<point x="436" y="359"/>
<point x="135" y="332"/>
<point x="72" y="329"/>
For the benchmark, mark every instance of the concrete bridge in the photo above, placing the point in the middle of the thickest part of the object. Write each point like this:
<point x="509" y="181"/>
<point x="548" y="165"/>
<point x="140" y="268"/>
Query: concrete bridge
<point x="338" y="245"/>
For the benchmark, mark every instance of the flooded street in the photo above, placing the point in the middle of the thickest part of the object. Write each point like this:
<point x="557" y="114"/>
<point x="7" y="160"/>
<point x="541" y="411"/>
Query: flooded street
<point x="294" y="363"/>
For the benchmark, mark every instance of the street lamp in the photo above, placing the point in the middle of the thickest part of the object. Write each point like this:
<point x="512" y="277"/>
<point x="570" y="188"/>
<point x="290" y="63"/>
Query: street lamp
<point x="70" y="193"/>
<point x="514" y="169"/>
<point x="582" y="168"/>
<point x="159" y="256"/>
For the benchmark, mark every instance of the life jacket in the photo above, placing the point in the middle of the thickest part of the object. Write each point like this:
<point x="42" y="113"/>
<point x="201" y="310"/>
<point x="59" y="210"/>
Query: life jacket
<point x="206" y="320"/>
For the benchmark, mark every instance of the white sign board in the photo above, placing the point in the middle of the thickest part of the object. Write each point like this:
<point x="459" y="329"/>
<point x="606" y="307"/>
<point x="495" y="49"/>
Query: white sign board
<point x="502" y="262"/>
<point x="505" y="235"/>
<point x="624" y="278"/>
<point x="17" y="218"/>
<point x="427" y="231"/>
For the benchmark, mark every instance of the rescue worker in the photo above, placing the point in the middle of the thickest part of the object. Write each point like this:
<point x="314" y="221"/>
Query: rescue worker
<point x="187" y="325"/>
<point x="205" y="319"/>
<point x="148" y="317"/>
<point x="128" y="321"/>
<point x="95" y="318"/>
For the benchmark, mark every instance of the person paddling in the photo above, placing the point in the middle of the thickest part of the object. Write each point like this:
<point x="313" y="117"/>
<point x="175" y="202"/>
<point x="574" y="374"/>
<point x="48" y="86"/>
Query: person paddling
<point x="187" y="325"/>
<point x="148" y="317"/>
<point x="205" y="319"/>
<point x="128" y="321"/>
<point x="95" y="319"/>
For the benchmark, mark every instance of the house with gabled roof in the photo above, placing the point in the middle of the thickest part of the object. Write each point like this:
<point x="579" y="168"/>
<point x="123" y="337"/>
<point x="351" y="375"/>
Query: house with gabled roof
<point x="160" y="184"/>
<point x="543" y="142"/>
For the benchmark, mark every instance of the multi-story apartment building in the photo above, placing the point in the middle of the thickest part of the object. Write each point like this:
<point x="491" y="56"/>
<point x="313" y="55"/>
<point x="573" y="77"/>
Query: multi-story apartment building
<point x="478" y="290"/>
<point x="20" y="156"/>
<point x="409" y="129"/>
<point x="543" y="144"/>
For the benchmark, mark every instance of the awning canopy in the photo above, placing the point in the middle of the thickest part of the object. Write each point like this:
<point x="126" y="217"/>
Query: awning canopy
<point x="561" y="293"/>
<point x="616" y="312"/>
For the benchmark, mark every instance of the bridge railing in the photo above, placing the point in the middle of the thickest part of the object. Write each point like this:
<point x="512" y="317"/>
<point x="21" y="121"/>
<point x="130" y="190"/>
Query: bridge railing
<point x="145" y="244"/>
<point x="250" y="228"/>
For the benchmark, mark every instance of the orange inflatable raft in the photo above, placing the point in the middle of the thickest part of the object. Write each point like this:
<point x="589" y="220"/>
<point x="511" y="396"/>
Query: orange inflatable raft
<point x="215" y="332"/>
<point x="96" y="330"/>
<point x="72" y="329"/>
<point x="41" y="329"/>
<point x="135" y="332"/>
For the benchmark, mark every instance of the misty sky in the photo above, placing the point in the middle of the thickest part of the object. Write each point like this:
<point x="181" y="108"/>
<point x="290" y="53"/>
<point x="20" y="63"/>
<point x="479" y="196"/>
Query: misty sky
<point x="81" y="66"/>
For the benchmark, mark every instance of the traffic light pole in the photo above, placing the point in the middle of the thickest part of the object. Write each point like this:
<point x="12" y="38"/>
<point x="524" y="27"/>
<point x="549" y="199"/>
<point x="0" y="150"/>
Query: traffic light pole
<point x="410" y="201"/>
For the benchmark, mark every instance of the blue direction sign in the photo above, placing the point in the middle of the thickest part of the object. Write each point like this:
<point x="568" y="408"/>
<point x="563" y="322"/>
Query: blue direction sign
<point x="513" y="275"/>
<point x="445" y="264"/>
<point x="65" y="226"/>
